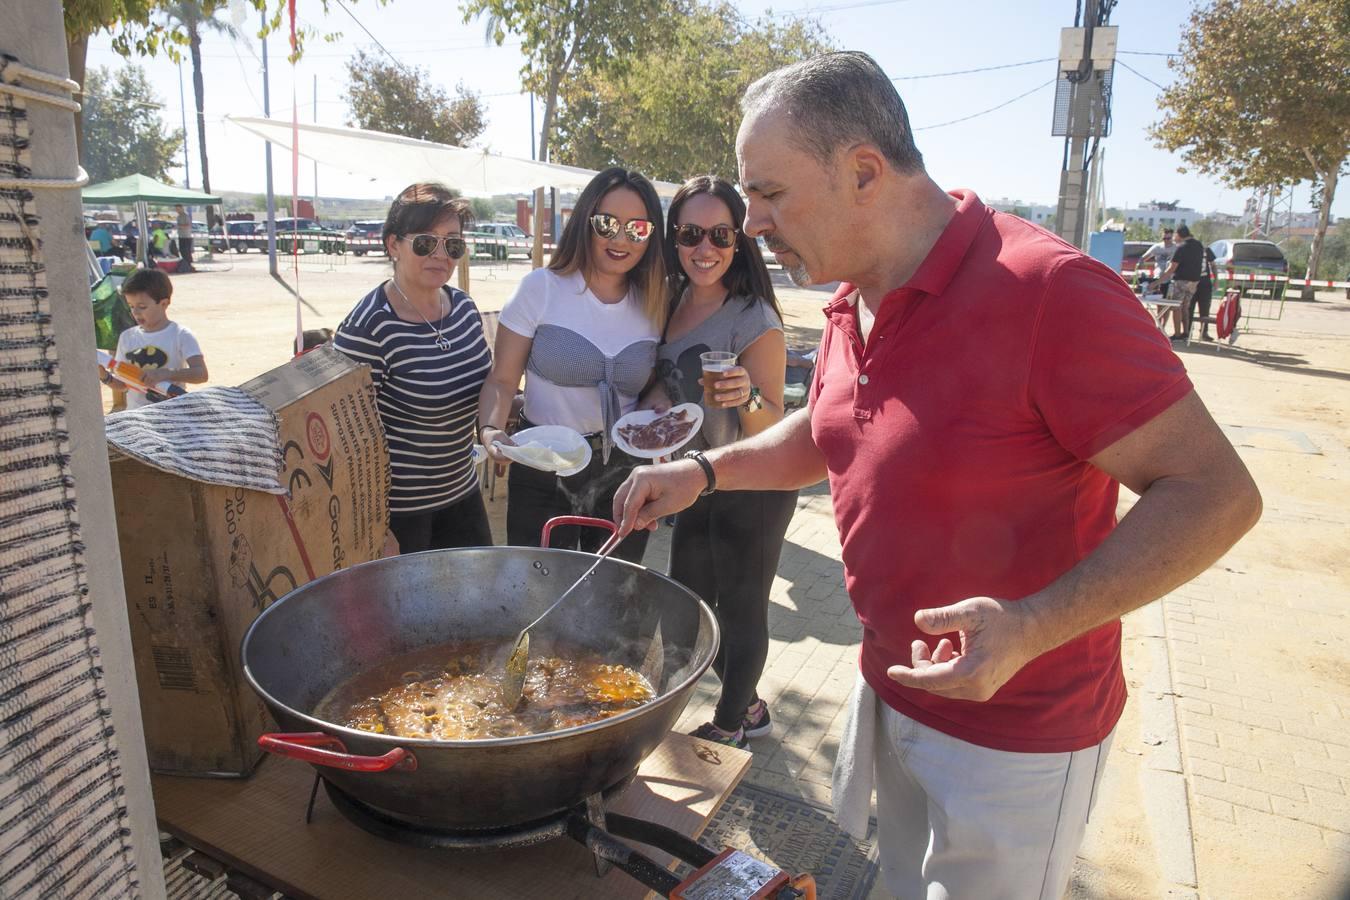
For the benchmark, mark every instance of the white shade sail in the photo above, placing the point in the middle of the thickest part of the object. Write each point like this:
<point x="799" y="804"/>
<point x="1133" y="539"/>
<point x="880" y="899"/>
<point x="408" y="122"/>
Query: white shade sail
<point x="382" y="155"/>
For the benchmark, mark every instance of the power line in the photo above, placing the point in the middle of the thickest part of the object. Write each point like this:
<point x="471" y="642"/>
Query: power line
<point x="1146" y="53"/>
<point x="1029" y="62"/>
<point x="1141" y="75"/>
<point x="837" y="7"/>
<point x="985" y="112"/>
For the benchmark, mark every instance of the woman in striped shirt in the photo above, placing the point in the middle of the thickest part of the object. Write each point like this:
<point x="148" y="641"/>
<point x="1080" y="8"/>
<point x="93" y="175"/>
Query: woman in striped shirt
<point x="428" y="358"/>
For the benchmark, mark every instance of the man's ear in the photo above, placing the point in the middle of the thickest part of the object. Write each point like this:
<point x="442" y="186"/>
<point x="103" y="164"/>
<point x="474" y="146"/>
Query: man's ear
<point x="866" y="165"/>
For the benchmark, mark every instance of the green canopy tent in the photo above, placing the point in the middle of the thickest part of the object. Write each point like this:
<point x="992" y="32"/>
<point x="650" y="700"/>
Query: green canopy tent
<point x="141" y="190"/>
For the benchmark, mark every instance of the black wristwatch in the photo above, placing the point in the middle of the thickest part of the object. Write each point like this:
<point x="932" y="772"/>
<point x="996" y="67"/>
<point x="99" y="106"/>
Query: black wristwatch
<point x="698" y="457"/>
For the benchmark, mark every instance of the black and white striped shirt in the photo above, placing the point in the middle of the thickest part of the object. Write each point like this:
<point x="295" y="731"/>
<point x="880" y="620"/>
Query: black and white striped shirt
<point x="427" y="397"/>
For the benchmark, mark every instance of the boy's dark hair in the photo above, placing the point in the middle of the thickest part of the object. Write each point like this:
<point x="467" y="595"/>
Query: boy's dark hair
<point x="149" y="281"/>
<point x="1183" y="231"/>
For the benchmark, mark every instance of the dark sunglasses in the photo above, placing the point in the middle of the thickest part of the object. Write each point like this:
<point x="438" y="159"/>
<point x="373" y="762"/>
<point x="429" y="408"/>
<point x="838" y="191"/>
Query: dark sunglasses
<point x="723" y="237"/>
<point x="608" y="227"/>
<point x="426" y="244"/>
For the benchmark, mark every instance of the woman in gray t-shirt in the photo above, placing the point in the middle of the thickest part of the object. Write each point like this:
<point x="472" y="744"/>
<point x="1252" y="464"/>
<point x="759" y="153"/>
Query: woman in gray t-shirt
<point x="726" y="546"/>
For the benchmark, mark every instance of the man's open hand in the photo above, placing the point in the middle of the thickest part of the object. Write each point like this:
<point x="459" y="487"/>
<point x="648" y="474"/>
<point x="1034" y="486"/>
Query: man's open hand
<point x="652" y="492"/>
<point x="996" y="637"/>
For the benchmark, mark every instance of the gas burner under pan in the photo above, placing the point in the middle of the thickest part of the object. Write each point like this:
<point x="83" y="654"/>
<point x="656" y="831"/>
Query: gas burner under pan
<point x="730" y="874"/>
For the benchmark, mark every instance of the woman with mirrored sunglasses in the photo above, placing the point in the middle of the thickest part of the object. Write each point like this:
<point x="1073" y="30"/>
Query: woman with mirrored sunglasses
<point x="582" y="332"/>
<point x="428" y="358"/>
<point x="726" y="546"/>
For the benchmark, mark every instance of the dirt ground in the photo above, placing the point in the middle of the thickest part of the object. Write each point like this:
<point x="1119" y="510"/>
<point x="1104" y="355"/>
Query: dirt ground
<point x="1255" y="649"/>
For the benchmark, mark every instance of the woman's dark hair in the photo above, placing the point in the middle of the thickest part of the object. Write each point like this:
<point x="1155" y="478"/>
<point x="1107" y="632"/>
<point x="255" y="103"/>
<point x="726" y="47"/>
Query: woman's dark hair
<point x="747" y="276"/>
<point x="574" y="247"/>
<point x="420" y="206"/>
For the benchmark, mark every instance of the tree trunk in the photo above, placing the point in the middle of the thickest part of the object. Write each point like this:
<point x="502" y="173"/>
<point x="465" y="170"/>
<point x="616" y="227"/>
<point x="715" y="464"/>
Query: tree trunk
<point x="1323" y="219"/>
<point x="76" y="49"/>
<point x="546" y="128"/>
<point x="199" y="94"/>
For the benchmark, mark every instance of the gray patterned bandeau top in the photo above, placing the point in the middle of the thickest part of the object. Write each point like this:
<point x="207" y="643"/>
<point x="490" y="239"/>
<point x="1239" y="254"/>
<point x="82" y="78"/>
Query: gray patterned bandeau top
<point x="567" y="359"/>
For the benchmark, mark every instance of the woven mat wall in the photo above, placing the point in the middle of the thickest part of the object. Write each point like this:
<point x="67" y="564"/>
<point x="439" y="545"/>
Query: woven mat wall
<point x="62" y="813"/>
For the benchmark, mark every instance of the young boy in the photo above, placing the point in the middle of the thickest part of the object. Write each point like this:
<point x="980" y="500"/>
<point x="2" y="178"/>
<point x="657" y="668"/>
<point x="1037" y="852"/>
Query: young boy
<point x="165" y="351"/>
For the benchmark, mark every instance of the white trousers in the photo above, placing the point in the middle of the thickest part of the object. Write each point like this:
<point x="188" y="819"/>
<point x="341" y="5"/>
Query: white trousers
<point x="957" y="821"/>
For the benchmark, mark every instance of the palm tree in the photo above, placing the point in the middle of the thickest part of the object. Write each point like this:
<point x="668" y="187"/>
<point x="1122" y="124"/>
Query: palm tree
<point x="196" y="17"/>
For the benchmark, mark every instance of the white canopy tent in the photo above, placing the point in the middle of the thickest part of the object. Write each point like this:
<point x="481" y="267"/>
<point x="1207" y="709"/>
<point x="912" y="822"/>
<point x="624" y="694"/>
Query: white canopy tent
<point x="379" y="154"/>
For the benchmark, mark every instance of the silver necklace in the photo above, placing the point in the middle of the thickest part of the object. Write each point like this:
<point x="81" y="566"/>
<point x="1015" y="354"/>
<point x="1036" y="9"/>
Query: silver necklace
<point x="442" y="341"/>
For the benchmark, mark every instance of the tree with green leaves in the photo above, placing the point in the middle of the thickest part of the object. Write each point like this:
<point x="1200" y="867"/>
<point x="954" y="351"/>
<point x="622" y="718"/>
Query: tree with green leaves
<point x="673" y="110"/>
<point x="125" y="133"/>
<point x="399" y="99"/>
<point x="1261" y="97"/>
<point x="559" y="36"/>
<point x="137" y="27"/>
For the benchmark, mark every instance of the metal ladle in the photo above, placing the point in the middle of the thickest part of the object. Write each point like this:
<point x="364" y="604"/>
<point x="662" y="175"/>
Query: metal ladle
<point x="516" y="664"/>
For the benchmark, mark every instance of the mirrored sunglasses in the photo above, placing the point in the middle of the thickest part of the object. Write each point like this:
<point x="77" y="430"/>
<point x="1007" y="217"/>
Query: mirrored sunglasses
<point x="723" y="237"/>
<point x="608" y="227"/>
<point x="426" y="244"/>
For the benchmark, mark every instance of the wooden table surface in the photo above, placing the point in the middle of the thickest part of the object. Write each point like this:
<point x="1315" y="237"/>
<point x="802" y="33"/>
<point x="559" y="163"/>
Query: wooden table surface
<point x="257" y="826"/>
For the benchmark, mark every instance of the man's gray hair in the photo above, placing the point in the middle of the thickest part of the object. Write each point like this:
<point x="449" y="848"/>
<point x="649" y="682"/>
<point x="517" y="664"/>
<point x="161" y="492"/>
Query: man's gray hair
<point x="838" y="99"/>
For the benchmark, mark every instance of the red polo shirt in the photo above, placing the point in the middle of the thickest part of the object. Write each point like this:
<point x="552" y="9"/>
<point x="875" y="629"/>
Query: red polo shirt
<point x="957" y="443"/>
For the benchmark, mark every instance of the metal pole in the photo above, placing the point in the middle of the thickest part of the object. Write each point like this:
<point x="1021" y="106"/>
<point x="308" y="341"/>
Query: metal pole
<point x="271" y="200"/>
<point x="182" y="103"/>
<point x="532" y="156"/>
<point x="316" y="162"/>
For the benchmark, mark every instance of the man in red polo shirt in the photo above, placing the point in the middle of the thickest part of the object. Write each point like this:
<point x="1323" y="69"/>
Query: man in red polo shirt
<point x="981" y="391"/>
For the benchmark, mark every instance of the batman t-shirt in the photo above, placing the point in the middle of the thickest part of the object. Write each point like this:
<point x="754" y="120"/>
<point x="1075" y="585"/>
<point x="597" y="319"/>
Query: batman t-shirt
<point x="168" y="348"/>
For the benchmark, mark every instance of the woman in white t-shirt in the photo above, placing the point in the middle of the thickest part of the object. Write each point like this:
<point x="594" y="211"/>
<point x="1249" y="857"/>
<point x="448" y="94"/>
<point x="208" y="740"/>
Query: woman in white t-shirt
<point x="583" y="332"/>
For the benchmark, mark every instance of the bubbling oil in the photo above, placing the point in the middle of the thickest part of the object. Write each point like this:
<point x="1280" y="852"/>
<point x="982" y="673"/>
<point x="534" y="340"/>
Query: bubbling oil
<point x="453" y="692"/>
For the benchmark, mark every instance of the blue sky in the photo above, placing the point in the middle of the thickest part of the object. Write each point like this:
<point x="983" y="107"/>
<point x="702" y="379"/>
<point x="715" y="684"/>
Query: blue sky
<point x="1006" y="153"/>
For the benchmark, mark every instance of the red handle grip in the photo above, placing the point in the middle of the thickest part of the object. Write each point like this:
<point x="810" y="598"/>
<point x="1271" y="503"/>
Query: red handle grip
<point x="558" y="521"/>
<point x="326" y="750"/>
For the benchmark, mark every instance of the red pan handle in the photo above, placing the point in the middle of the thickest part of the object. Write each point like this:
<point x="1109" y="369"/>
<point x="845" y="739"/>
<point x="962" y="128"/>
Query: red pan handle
<point x="559" y="521"/>
<point x="326" y="750"/>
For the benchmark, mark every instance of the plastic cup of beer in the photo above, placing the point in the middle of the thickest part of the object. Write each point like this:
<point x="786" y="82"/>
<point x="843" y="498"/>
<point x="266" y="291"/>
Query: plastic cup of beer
<point x="716" y="363"/>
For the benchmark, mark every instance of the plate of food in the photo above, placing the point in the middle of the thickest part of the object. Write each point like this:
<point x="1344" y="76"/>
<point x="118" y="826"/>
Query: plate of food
<point x="647" y="434"/>
<point x="549" y="448"/>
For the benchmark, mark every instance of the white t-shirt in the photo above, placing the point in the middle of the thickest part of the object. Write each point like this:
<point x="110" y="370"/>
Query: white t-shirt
<point x="168" y="348"/>
<point x="620" y="332"/>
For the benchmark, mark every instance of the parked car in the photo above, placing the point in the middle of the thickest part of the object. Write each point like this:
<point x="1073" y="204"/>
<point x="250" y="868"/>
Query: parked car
<point x="1133" y="251"/>
<point x="1251" y="258"/>
<point x="306" y="235"/>
<point x="238" y="237"/>
<point x="500" y="239"/>
<point x="364" y="236"/>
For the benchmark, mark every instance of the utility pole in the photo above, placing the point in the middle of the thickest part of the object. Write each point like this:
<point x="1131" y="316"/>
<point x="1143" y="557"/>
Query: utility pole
<point x="182" y="103"/>
<point x="316" y="162"/>
<point x="1082" y="116"/>
<point x="271" y="200"/>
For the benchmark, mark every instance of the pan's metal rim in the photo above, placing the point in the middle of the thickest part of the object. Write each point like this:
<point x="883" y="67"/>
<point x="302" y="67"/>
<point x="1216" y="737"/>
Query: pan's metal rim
<point x="482" y="743"/>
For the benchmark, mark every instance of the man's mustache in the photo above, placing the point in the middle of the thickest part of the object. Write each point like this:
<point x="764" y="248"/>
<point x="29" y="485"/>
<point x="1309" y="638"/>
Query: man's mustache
<point x="775" y="245"/>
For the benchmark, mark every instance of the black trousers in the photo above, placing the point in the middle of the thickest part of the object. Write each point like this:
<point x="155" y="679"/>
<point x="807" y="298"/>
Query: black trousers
<point x="1204" y="293"/>
<point x="185" y="249"/>
<point x="726" y="549"/>
<point x="534" y="497"/>
<point x="463" y="523"/>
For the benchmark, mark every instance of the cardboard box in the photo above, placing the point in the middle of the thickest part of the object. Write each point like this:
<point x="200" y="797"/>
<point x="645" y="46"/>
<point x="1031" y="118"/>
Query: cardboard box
<point x="200" y="561"/>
